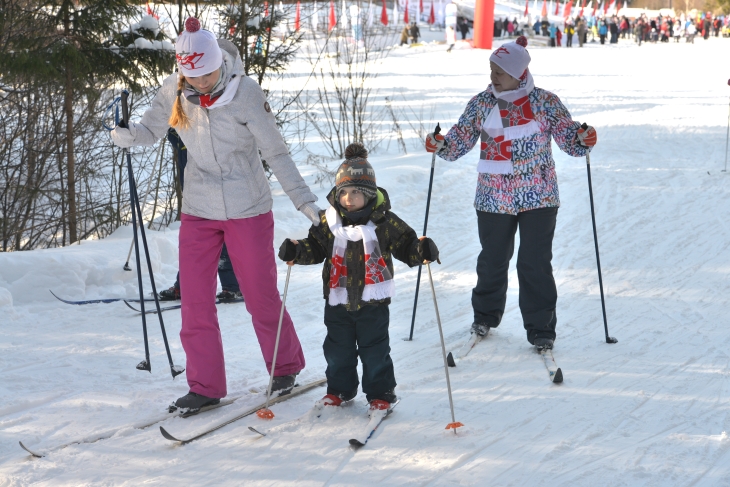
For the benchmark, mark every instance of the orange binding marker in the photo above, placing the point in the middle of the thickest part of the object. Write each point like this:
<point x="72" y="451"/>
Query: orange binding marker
<point x="453" y="426"/>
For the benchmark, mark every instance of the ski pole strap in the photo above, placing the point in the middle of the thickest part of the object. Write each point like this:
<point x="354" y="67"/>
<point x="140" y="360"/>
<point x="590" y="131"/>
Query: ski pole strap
<point x="113" y="105"/>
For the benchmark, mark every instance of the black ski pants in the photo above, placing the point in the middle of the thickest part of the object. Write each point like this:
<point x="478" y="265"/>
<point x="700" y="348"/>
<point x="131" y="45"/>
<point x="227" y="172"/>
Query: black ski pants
<point x="362" y="333"/>
<point x="538" y="294"/>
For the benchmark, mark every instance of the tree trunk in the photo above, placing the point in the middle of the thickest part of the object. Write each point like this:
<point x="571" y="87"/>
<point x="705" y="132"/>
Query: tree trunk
<point x="70" y="160"/>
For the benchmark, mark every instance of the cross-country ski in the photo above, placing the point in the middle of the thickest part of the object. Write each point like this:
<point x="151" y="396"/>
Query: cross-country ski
<point x="376" y="417"/>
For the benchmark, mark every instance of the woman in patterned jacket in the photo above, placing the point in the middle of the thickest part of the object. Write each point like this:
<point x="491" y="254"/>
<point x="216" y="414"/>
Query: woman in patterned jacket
<point x="517" y="187"/>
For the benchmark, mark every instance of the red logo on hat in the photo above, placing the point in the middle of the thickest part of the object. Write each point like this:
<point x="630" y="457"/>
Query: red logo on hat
<point x="189" y="60"/>
<point x="501" y="49"/>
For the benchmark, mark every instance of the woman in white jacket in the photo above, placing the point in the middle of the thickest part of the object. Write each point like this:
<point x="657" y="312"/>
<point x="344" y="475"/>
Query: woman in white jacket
<point x="224" y="120"/>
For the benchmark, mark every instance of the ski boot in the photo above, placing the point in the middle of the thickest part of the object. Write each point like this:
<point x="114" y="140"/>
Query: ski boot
<point x="227" y="296"/>
<point x="192" y="402"/>
<point x="172" y="294"/>
<point x="543" y="344"/>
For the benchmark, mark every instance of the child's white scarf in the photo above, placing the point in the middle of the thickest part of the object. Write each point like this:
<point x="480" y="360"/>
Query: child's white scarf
<point x="510" y="119"/>
<point x="378" y="279"/>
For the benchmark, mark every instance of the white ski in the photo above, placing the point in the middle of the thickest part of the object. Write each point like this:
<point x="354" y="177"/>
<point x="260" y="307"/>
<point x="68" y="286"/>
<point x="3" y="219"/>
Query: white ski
<point x="465" y="349"/>
<point x="295" y="392"/>
<point x="556" y="375"/>
<point x="376" y="417"/>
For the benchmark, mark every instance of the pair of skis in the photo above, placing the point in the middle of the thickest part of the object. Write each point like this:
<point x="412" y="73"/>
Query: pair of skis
<point x="554" y="372"/>
<point x="376" y="417"/>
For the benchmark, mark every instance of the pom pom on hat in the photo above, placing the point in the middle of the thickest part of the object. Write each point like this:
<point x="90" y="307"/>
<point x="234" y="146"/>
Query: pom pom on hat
<point x="356" y="151"/>
<point x="197" y="51"/>
<point x="192" y="24"/>
<point x="512" y="57"/>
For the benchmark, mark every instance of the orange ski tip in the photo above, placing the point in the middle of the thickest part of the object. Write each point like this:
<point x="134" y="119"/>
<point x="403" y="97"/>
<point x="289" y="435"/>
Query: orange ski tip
<point x="454" y="425"/>
<point x="265" y="414"/>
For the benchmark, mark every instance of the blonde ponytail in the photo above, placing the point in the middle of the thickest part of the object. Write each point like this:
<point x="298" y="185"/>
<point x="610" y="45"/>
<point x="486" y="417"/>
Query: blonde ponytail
<point x="178" y="117"/>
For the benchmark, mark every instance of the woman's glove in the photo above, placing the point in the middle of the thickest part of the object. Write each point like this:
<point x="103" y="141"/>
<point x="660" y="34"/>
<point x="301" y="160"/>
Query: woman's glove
<point x="311" y="211"/>
<point x="427" y="250"/>
<point x="124" y="136"/>
<point x="288" y="250"/>
<point x="435" y="142"/>
<point x="587" y="136"/>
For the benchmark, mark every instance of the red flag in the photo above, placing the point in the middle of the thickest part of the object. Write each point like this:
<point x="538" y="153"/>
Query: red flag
<point x="582" y="7"/>
<point x="420" y="6"/>
<point x="605" y="7"/>
<point x="333" y="20"/>
<point x="384" y="15"/>
<point x="543" y="14"/>
<point x="527" y="5"/>
<point x="266" y="9"/>
<point x="150" y="12"/>
<point x="595" y="7"/>
<point x="405" y="15"/>
<point x="432" y="16"/>
<point x="568" y="8"/>
<point x="297" y="17"/>
<point x="557" y="7"/>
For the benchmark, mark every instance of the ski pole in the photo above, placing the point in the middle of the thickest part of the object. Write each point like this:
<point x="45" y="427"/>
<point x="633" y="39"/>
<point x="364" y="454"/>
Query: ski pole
<point x="137" y="215"/>
<point x="453" y="424"/>
<point x="609" y="339"/>
<point x="728" y="133"/>
<point x="147" y="195"/>
<point x="267" y="413"/>
<point x="425" y="227"/>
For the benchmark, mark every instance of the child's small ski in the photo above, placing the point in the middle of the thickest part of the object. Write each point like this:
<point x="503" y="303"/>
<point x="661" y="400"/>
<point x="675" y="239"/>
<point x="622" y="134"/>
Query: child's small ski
<point x="554" y="372"/>
<point x="376" y="417"/>
<point x="472" y="342"/>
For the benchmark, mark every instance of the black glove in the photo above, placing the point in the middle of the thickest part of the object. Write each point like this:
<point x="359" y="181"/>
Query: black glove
<point x="288" y="251"/>
<point x="122" y="124"/>
<point x="428" y="251"/>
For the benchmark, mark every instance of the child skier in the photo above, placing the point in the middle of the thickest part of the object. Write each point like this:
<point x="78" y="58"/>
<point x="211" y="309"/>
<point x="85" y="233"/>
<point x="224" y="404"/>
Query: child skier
<point x="356" y="238"/>
<point x="517" y="187"/>
<point x="225" y="121"/>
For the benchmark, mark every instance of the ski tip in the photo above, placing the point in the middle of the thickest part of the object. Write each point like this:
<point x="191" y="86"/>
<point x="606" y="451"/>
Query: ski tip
<point x="256" y="431"/>
<point x="36" y="455"/>
<point x="356" y="443"/>
<point x="167" y="435"/>
<point x="558" y="377"/>
<point x="450" y="360"/>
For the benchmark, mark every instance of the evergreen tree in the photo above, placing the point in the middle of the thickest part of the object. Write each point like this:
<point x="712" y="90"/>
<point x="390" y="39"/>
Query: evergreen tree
<point x="80" y="48"/>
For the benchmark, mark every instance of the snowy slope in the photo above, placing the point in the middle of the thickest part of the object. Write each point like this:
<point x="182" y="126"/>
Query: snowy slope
<point x="649" y="410"/>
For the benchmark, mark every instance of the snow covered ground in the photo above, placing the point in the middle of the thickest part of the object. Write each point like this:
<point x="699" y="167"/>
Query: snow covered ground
<point x="649" y="410"/>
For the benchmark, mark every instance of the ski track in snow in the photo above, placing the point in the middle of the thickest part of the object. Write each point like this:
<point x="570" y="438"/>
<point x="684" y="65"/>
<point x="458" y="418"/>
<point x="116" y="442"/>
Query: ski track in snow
<point x="649" y="410"/>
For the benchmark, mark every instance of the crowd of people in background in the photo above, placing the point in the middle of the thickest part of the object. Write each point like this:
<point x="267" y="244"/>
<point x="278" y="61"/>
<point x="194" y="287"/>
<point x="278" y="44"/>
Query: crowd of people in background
<point x="642" y="29"/>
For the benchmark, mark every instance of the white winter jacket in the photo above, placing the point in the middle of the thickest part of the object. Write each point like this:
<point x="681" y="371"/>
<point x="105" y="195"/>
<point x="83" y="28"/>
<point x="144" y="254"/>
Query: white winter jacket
<point x="224" y="177"/>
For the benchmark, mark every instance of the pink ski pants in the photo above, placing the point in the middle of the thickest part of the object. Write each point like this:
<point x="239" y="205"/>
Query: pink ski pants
<point x="250" y="247"/>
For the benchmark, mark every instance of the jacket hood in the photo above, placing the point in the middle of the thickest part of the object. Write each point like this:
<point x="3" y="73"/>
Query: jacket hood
<point x="233" y="61"/>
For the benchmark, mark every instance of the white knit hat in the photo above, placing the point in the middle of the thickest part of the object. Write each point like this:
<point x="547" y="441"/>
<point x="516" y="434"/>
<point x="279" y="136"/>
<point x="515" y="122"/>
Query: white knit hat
<point x="512" y="57"/>
<point x="196" y="50"/>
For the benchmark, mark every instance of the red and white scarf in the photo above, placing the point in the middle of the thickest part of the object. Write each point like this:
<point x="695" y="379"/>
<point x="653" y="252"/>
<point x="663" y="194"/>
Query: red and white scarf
<point x="510" y="119"/>
<point x="223" y="91"/>
<point x="378" y="279"/>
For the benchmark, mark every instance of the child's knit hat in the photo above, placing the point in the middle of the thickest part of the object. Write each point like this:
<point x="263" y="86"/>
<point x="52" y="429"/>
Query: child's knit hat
<point x="197" y="51"/>
<point x="356" y="171"/>
<point x="512" y="57"/>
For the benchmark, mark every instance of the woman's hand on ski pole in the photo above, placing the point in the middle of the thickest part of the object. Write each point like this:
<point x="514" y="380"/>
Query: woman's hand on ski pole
<point x="427" y="250"/>
<point x="288" y="251"/>
<point x="587" y="136"/>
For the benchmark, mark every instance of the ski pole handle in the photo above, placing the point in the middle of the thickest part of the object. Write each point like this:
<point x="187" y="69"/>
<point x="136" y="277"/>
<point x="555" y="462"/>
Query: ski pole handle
<point x="125" y="108"/>
<point x="437" y="130"/>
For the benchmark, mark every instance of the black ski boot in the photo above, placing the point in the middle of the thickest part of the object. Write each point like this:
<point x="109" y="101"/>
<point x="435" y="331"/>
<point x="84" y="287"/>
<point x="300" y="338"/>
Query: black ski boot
<point x="480" y="329"/>
<point x="192" y="402"/>
<point x="283" y="384"/>
<point x="228" y="296"/>
<point x="543" y="344"/>
<point x="172" y="294"/>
